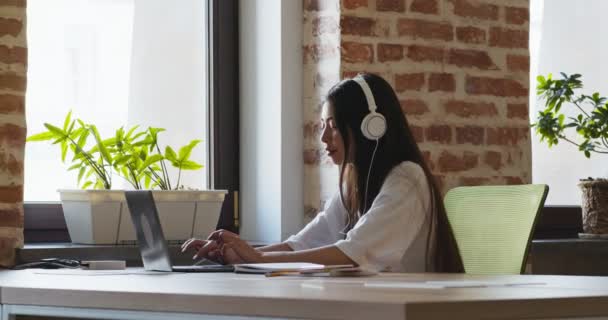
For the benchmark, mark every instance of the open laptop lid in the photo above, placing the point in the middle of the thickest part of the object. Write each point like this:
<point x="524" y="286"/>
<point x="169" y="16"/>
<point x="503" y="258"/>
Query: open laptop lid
<point x="150" y="237"/>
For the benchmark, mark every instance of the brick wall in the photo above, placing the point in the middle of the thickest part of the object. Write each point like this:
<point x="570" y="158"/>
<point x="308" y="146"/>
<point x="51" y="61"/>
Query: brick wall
<point x="13" y="64"/>
<point x="459" y="67"/>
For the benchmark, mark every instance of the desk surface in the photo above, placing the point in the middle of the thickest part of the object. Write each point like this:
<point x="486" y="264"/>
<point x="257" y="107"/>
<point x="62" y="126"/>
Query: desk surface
<point x="318" y="298"/>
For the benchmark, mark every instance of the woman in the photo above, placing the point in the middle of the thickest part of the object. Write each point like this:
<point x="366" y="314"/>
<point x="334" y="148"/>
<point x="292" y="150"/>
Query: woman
<point x="388" y="214"/>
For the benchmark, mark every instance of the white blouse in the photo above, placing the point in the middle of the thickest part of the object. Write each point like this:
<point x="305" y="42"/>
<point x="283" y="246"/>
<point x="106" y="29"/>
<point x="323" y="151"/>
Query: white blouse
<point x="391" y="236"/>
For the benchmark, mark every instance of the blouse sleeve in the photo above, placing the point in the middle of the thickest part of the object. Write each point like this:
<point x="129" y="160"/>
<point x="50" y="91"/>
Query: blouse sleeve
<point x="323" y="230"/>
<point x="393" y="222"/>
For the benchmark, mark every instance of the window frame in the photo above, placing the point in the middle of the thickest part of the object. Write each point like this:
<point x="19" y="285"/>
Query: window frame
<point x="44" y="221"/>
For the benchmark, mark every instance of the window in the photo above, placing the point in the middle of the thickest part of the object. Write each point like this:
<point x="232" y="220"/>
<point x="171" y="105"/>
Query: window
<point x="124" y="62"/>
<point x="114" y="63"/>
<point x="566" y="38"/>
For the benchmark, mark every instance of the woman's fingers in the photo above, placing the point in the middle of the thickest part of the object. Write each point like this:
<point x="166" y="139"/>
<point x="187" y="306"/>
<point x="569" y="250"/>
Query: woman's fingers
<point x="246" y="252"/>
<point x="205" y="249"/>
<point x="192" y="243"/>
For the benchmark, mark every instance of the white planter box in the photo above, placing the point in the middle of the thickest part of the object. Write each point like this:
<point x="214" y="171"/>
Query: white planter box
<point x="92" y="216"/>
<point x="183" y="214"/>
<point x="103" y="217"/>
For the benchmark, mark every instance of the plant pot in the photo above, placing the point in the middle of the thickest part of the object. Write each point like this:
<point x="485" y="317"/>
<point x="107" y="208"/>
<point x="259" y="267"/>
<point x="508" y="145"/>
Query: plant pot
<point x="182" y="213"/>
<point x="92" y="216"/>
<point x="595" y="206"/>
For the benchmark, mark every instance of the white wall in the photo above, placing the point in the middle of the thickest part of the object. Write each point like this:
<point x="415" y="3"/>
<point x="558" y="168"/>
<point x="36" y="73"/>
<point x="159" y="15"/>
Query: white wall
<point x="271" y="119"/>
<point x="572" y="40"/>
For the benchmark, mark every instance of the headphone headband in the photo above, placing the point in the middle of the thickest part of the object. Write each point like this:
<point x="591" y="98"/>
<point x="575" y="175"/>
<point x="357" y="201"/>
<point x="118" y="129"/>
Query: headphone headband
<point x="371" y="103"/>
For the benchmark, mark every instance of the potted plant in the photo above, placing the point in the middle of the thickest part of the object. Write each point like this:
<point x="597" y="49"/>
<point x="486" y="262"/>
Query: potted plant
<point x="590" y="125"/>
<point x="100" y="215"/>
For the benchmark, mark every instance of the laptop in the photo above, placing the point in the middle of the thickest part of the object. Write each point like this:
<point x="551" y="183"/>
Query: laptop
<point x="151" y="240"/>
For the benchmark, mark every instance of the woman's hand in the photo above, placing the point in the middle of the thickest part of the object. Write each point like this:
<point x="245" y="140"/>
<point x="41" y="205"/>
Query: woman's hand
<point x="231" y="242"/>
<point x="210" y="249"/>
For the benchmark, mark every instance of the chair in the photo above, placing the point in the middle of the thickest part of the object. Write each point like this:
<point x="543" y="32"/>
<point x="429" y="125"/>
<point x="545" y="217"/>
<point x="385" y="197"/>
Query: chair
<point x="493" y="225"/>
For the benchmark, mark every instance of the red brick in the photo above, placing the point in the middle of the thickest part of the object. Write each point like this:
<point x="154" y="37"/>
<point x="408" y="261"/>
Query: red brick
<point x="471" y="35"/>
<point x="10" y="26"/>
<point x="474" y="181"/>
<point x="357" y="52"/>
<point x="13" y="55"/>
<point x="425" y="6"/>
<point x="495" y="87"/>
<point x="470" y="134"/>
<point x="390" y="5"/>
<point x="493" y="159"/>
<point x="508" y="38"/>
<point x="517" y="110"/>
<point x="425" y="29"/>
<point x="10" y="164"/>
<point x="11" y="194"/>
<point x="505" y="136"/>
<point x="389" y="52"/>
<point x="312" y="156"/>
<point x="324" y="25"/>
<point x="12" y="81"/>
<point x="350" y="74"/>
<point x="516" y="15"/>
<point x="312" y="130"/>
<point x="13" y="3"/>
<point x="319" y="52"/>
<point x="11" y="104"/>
<point x="414" y="107"/>
<point x="357" y="26"/>
<point x="513" y="180"/>
<point x="438" y="133"/>
<point x="471" y="58"/>
<point x="449" y="162"/>
<point x="409" y="81"/>
<point x="11" y="218"/>
<point x="12" y="136"/>
<point x="418" y="133"/>
<point x="423" y="53"/>
<point x="442" y="82"/>
<point x="319" y="5"/>
<point x="353" y="4"/>
<point x="468" y="109"/>
<point x="518" y="63"/>
<point x="466" y="8"/>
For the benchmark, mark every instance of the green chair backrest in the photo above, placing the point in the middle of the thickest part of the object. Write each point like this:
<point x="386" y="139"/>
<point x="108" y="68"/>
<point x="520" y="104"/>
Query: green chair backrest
<point x="493" y="225"/>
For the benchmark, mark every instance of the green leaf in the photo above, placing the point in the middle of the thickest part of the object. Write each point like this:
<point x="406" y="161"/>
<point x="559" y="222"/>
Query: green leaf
<point x="87" y="184"/>
<point x="150" y="160"/>
<point x="76" y="166"/>
<point x="131" y="132"/>
<point x="190" y="165"/>
<point x="185" y="151"/>
<point x="170" y="154"/>
<point x="102" y="148"/>
<point x="43" y="136"/>
<point x="58" y="132"/>
<point x="64" y="151"/>
<point x="81" y="173"/>
<point x="67" y="121"/>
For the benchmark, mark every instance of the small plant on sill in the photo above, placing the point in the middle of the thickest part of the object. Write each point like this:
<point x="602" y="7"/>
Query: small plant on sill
<point x="134" y="155"/>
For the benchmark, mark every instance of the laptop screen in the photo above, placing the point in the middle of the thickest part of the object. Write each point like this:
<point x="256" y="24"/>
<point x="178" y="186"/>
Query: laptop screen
<point x="150" y="238"/>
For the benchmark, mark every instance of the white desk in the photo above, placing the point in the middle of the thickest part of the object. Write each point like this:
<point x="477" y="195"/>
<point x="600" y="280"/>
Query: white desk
<point x="238" y="296"/>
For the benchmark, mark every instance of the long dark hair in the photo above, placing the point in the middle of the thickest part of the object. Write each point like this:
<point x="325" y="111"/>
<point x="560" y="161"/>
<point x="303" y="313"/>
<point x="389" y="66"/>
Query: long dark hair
<point x="397" y="145"/>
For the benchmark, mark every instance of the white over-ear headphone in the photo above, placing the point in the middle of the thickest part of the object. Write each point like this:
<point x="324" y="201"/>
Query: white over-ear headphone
<point x="373" y="125"/>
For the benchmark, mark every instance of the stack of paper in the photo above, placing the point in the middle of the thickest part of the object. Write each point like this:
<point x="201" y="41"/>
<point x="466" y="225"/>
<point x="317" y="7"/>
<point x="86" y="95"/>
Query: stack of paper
<point x="286" y="268"/>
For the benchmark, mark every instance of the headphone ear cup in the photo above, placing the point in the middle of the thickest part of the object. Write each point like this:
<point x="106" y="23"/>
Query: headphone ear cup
<point x="373" y="126"/>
